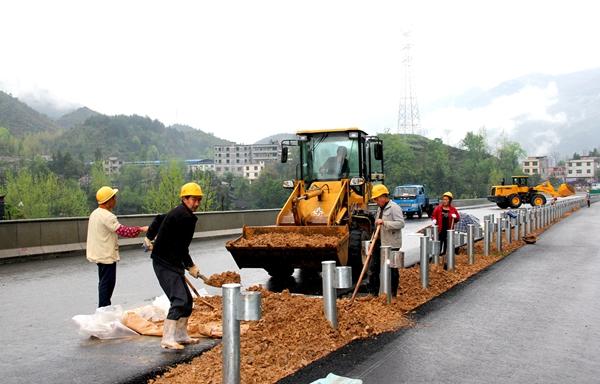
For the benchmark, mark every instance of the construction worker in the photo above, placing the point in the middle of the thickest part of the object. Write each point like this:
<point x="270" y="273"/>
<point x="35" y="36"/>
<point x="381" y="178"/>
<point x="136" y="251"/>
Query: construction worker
<point x="390" y="218"/>
<point x="445" y="216"/>
<point x="588" y="198"/>
<point x="170" y="259"/>
<point x="102" y="247"/>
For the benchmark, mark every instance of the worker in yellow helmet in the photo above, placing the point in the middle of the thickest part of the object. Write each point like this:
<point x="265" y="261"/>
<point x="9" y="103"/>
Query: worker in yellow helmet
<point x="390" y="218"/>
<point x="102" y="247"/>
<point x="171" y="258"/>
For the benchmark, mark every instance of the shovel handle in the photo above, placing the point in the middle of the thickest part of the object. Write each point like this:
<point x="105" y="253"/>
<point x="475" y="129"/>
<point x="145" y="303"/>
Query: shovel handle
<point x="189" y="283"/>
<point x="366" y="265"/>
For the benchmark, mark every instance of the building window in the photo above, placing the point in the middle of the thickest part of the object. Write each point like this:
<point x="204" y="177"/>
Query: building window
<point x="570" y="171"/>
<point x="589" y="163"/>
<point x="578" y="171"/>
<point x="534" y="170"/>
<point x="579" y="163"/>
<point x="589" y="171"/>
<point x="247" y="168"/>
<point x="534" y="163"/>
<point x="255" y="167"/>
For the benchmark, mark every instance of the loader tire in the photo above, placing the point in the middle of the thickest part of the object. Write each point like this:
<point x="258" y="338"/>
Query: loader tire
<point x="355" y="261"/>
<point x="503" y="204"/>
<point x="538" y="200"/>
<point x="515" y="201"/>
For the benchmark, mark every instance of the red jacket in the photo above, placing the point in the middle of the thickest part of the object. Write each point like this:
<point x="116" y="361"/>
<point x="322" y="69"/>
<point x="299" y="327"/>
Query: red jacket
<point x="438" y="217"/>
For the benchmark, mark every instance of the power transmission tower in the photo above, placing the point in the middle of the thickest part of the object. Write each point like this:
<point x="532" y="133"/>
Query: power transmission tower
<point x="409" y="120"/>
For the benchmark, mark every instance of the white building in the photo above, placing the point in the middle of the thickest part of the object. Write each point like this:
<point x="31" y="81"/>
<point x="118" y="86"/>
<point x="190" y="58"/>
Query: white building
<point x="244" y="160"/>
<point x="584" y="168"/>
<point x="112" y="165"/>
<point x="536" y="165"/>
<point x="200" y="165"/>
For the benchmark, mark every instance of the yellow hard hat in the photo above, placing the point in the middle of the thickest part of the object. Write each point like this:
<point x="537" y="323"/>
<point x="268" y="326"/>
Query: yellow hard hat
<point x="105" y="193"/>
<point x="379" y="190"/>
<point x="190" y="189"/>
<point x="449" y="194"/>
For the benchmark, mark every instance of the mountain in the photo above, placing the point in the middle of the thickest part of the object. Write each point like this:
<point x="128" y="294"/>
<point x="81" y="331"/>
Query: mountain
<point x="45" y="103"/>
<point x="276" y="138"/>
<point x="76" y="117"/>
<point x="135" y="138"/>
<point x="546" y="114"/>
<point x="20" y="119"/>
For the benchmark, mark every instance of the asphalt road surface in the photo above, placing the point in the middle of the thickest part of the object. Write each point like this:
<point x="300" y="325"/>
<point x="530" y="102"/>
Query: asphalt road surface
<point x="533" y="317"/>
<point x="39" y="298"/>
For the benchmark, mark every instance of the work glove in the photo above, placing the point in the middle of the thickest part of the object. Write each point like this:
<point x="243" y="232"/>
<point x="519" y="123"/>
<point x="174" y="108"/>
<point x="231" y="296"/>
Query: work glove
<point x="194" y="271"/>
<point x="147" y="244"/>
<point x="434" y="221"/>
<point x="454" y="216"/>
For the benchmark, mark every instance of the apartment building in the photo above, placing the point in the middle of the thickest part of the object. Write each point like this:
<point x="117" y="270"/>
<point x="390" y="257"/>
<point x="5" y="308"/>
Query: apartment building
<point x="536" y="165"/>
<point x="583" y="168"/>
<point x="244" y="160"/>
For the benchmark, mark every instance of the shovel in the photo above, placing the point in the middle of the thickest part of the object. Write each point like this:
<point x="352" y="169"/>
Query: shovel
<point x="189" y="283"/>
<point x="366" y="265"/>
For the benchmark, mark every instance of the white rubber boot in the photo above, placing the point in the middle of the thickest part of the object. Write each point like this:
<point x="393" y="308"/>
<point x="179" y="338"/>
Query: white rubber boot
<point x="181" y="335"/>
<point x="168" y="339"/>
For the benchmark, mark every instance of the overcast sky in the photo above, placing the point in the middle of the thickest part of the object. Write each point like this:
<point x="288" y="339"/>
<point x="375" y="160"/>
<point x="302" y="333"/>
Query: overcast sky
<point x="247" y="69"/>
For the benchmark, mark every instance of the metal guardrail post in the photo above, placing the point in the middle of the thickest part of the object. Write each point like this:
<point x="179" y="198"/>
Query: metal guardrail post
<point x="508" y="229"/>
<point x="471" y="243"/>
<point x="385" y="280"/>
<point x="424" y="261"/>
<point x="434" y="229"/>
<point x="499" y="235"/>
<point x="236" y="307"/>
<point x="486" y="237"/>
<point x="333" y="278"/>
<point x="436" y="252"/>
<point x="450" y="250"/>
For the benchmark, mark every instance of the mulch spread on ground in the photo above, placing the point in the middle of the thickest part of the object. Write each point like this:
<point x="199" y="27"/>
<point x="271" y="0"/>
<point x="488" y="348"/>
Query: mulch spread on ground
<point x="218" y="279"/>
<point x="276" y="240"/>
<point x="293" y="331"/>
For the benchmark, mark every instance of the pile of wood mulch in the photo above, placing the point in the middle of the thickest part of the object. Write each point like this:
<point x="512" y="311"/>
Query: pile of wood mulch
<point x="293" y="331"/>
<point x="218" y="279"/>
<point x="294" y="240"/>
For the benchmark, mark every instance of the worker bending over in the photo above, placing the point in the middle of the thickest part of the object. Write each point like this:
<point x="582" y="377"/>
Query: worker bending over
<point x="170" y="259"/>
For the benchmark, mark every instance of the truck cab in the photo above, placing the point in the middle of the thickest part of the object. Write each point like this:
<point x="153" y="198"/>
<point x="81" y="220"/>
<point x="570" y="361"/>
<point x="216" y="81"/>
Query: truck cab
<point x="413" y="199"/>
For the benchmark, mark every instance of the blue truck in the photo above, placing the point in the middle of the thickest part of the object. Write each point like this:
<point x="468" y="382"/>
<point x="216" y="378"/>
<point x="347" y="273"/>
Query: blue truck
<point x="414" y="200"/>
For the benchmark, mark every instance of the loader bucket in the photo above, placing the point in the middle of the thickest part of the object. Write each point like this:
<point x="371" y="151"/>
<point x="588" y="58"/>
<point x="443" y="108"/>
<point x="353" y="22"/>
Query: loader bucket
<point x="305" y="247"/>
<point x="566" y="190"/>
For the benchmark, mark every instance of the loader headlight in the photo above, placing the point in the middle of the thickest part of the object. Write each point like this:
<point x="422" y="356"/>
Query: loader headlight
<point x="357" y="181"/>
<point x="288" y="184"/>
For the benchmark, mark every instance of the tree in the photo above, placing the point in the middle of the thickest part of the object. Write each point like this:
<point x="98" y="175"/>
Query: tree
<point x="509" y="154"/>
<point x="164" y="195"/>
<point x="38" y="196"/>
<point x="97" y="179"/>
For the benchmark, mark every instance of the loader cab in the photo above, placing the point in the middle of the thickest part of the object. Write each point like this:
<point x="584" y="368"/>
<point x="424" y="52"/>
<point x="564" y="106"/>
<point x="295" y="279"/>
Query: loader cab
<point x="520" y="181"/>
<point x="339" y="154"/>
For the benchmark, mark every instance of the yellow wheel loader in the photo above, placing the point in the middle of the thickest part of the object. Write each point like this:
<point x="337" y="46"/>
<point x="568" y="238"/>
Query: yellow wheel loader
<point x="326" y="215"/>
<point x="519" y="192"/>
